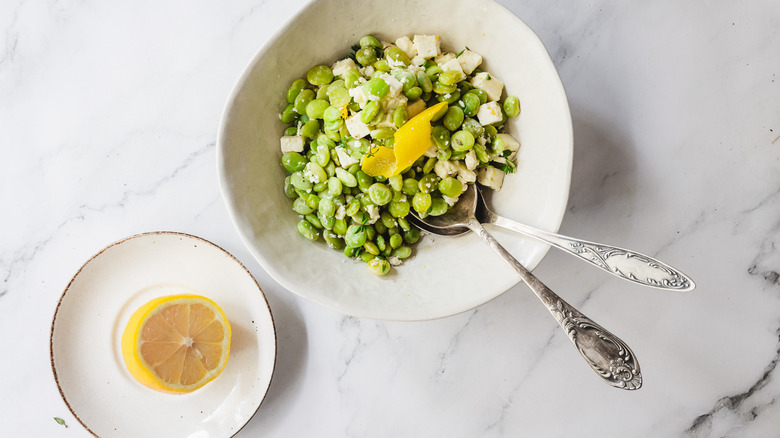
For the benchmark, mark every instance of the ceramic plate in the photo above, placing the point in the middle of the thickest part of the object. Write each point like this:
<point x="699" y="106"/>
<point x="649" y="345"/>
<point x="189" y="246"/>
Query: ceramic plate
<point x="85" y="339"/>
<point x="447" y="275"/>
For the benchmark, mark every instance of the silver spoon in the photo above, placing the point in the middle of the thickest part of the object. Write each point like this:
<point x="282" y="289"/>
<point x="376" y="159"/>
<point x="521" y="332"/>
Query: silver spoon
<point x="604" y="352"/>
<point x="620" y="262"/>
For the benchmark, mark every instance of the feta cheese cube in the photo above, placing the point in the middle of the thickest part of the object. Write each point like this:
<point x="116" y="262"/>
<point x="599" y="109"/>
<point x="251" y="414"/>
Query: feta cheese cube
<point x="471" y="160"/>
<point x="342" y="67"/>
<point x="453" y="64"/>
<point x="392" y="103"/>
<point x="418" y="61"/>
<point x="491" y="177"/>
<point x="489" y="84"/>
<point x="356" y="127"/>
<point x="373" y="213"/>
<point x="450" y="201"/>
<point x="432" y="151"/>
<point x="489" y="113"/>
<point x="292" y="143"/>
<point x="469" y="61"/>
<point x="341" y="212"/>
<point x="345" y="159"/>
<point x="405" y="44"/>
<point x="510" y="144"/>
<point x="427" y="46"/>
<point x="395" y="85"/>
<point x="444" y="168"/>
<point x="415" y="107"/>
<point x="444" y="58"/>
<point x="358" y="96"/>
<point x="465" y="175"/>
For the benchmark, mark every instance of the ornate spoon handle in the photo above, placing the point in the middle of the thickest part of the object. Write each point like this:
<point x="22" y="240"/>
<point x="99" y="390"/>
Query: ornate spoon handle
<point x="604" y="352"/>
<point x="620" y="262"/>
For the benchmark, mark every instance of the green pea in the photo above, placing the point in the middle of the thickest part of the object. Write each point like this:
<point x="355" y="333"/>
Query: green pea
<point x="295" y="88"/>
<point x="292" y="130"/>
<point x="364" y="181"/>
<point x="349" y="252"/>
<point x="316" y="108"/>
<point x="400" y="116"/>
<point x="369" y="41"/>
<point x="331" y="114"/>
<point x="300" y="182"/>
<point x="312" y="219"/>
<point x="481" y="153"/>
<point x="382" y="133"/>
<point x="326" y="221"/>
<point x="376" y="88"/>
<point x="402" y="252"/>
<point x="334" y="186"/>
<point x="474" y="127"/>
<point x="352" y="78"/>
<point x="371" y="247"/>
<point x="440" y="88"/>
<point x="307" y="230"/>
<point x="346" y="178"/>
<point x="396" y="240"/>
<point x="399" y="208"/>
<point x="454" y="118"/>
<point x="450" y="97"/>
<point x="340" y="227"/>
<point x="365" y="256"/>
<point x="293" y="161"/>
<point x="413" y="93"/>
<point x="412" y="236"/>
<point x="398" y="55"/>
<point x="322" y="93"/>
<point x="404" y="224"/>
<point x="438" y="207"/>
<point x="379" y="193"/>
<point x="355" y="236"/>
<point x="332" y="239"/>
<point x="451" y="187"/>
<point x="299" y="206"/>
<point x="365" y="56"/>
<point x="316" y="171"/>
<point x="450" y="77"/>
<point x="370" y="111"/>
<point x="433" y="72"/>
<point x="498" y="145"/>
<point x="311" y="200"/>
<point x="479" y="93"/>
<point x="380" y="228"/>
<point x="327" y="207"/>
<point x="428" y="183"/>
<point x="462" y="141"/>
<point x="310" y="129"/>
<point x="471" y="104"/>
<point x="303" y="99"/>
<point x="380" y="241"/>
<point x="320" y="186"/>
<point x="512" y="106"/>
<point x="424" y="81"/>
<point x="428" y="166"/>
<point x="380" y="65"/>
<point x="396" y="182"/>
<point x="421" y="202"/>
<point x="439" y="114"/>
<point x="378" y="266"/>
<point x="289" y="189"/>
<point x="288" y="114"/>
<point x="339" y="97"/>
<point x="319" y="75"/>
<point x="410" y="187"/>
<point x="406" y="78"/>
<point x="490" y="132"/>
<point x="353" y="207"/>
<point x="441" y="136"/>
<point x="444" y="154"/>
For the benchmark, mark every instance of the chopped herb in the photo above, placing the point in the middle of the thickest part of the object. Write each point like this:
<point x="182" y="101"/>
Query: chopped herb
<point x="460" y="53"/>
<point x="508" y="167"/>
<point x="506" y="153"/>
<point x="488" y="76"/>
<point x="60" y="421"/>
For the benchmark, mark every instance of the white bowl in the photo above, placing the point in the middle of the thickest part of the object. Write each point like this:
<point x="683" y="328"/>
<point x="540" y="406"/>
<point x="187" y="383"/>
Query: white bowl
<point x="447" y="275"/>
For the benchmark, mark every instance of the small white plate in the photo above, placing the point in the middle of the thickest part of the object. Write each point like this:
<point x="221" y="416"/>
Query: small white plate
<point x="94" y="308"/>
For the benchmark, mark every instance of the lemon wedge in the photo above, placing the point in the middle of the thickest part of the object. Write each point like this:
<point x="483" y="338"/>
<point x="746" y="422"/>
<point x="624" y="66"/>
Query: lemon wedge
<point x="410" y="142"/>
<point x="177" y="343"/>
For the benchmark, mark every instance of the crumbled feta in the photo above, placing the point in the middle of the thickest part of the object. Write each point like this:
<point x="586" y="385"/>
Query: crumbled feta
<point x="464" y="173"/>
<point x="358" y="96"/>
<point x="356" y="127"/>
<point x="489" y="84"/>
<point x="341" y="212"/>
<point x="310" y="174"/>
<point x="469" y="61"/>
<point x="427" y="46"/>
<point x="391" y="103"/>
<point x="405" y="44"/>
<point x="449" y="200"/>
<point x="489" y="113"/>
<point x="394" y="261"/>
<point x="342" y="67"/>
<point x="444" y="58"/>
<point x="415" y="107"/>
<point x="395" y="85"/>
<point x="345" y="159"/>
<point x="293" y="143"/>
<point x="432" y="151"/>
<point x="444" y="168"/>
<point x="451" y="65"/>
<point x="392" y="63"/>
<point x="413" y="69"/>
<point x="373" y="213"/>
<point x="418" y="61"/>
<point x="471" y="160"/>
<point x="510" y="144"/>
<point x="491" y="177"/>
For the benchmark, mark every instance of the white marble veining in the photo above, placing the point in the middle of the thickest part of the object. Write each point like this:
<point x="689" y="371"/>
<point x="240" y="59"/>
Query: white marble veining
<point x="109" y="115"/>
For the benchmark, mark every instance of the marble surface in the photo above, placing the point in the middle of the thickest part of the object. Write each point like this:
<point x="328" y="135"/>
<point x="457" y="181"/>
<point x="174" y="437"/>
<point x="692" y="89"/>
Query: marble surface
<point x="109" y="113"/>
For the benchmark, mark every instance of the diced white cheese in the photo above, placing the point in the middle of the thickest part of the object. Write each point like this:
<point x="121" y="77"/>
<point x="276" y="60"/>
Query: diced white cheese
<point x="444" y="58"/>
<point x="367" y="71"/>
<point x="432" y="151"/>
<point x="394" y="261"/>
<point x="464" y="173"/>
<point x="342" y="67"/>
<point x="356" y="127"/>
<point x="444" y="168"/>
<point x="469" y="61"/>
<point x="510" y="144"/>
<point x="392" y="63"/>
<point x="415" y="107"/>
<point x="471" y="160"/>
<point x="358" y="96"/>
<point x="395" y="85"/>
<point x="450" y="201"/>
<point x="427" y="46"/>
<point x="341" y="212"/>
<point x="489" y="113"/>
<point x="413" y="69"/>
<point x="418" y="60"/>
<point x="405" y="44"/>
<point x="392" y="103"/>
<point x="292" y="143"/>
<point x="453" y="64"/>
<point x="344" y="158"/>
<point x="489" y="84"/>
<point x="491" y="177"/>
<point x="373" y="213"/>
